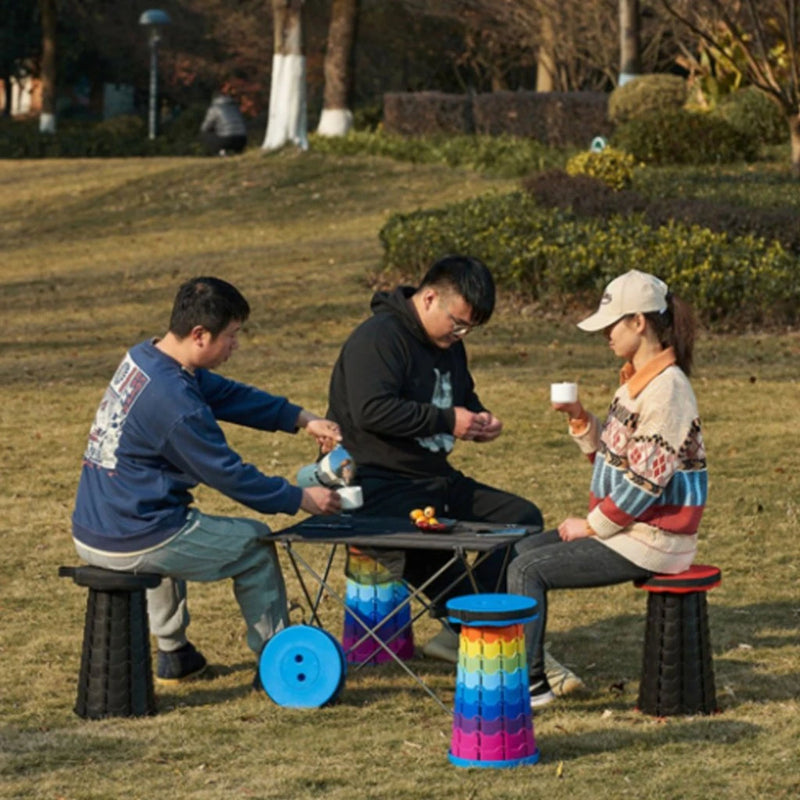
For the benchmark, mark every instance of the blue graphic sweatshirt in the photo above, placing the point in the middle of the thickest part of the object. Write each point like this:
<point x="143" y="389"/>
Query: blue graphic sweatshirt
<point x="155" y="437"/>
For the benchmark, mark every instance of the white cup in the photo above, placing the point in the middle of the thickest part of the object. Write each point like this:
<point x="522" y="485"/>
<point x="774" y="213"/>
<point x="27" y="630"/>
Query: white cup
<point x="351" y="497"/>
<point x="563" y="392"/>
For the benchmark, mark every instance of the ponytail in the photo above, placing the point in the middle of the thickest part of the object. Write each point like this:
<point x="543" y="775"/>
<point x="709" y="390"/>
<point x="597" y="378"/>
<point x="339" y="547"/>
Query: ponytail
<point x="675" y="328"/>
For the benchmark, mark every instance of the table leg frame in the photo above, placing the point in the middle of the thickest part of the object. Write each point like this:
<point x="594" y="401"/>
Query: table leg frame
<point x="415" y="593"/>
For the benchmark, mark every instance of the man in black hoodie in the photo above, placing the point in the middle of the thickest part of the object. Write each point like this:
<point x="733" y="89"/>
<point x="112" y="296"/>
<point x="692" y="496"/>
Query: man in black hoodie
<point x="402" y="394"/>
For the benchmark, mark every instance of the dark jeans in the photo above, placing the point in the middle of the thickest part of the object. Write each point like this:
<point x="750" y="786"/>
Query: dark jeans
<point x="544" y="562"/>
<point x="455" y="496"/>
<point x="231" y="144"/>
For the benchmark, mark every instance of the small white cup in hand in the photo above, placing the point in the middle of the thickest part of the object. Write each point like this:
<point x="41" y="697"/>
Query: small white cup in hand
<point x="563" y="392"/>
<point x="351" y="497"/>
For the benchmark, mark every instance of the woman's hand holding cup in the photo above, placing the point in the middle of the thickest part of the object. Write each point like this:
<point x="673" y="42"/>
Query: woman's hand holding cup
<point x="564" y="397"/>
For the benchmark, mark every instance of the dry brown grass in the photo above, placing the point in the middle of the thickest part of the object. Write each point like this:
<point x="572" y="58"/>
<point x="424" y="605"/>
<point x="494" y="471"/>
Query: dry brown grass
<point x="91" y="255"/>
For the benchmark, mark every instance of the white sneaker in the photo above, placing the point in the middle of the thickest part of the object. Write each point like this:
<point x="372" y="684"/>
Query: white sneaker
<point x="562" y="680"/>
<point x="541" y="693"/>
<point x="443" y="646"/>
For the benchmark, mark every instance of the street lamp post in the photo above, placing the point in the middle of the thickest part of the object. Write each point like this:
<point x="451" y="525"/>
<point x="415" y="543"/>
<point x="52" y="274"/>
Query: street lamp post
<point x="154" y="20"/>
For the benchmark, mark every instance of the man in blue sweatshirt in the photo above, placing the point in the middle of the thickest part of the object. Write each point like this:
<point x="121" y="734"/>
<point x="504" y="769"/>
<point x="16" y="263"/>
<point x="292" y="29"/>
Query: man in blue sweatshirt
<point x="154" y="438"/>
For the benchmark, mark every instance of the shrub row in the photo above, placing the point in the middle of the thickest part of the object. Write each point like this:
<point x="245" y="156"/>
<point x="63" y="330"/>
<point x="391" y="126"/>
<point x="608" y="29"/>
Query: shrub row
<point x="504" y="156"/>
<point x="748" y="111"/>
<point x="552" y="255"/>
<point x="553" y="118"/>
<point x="653" y="124"/>
<point x="589" y="197"/>
<point x="120" y="136"/>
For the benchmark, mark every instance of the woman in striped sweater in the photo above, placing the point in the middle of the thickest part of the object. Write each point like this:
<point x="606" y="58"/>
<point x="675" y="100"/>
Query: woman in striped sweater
<point x="649" y="481"/>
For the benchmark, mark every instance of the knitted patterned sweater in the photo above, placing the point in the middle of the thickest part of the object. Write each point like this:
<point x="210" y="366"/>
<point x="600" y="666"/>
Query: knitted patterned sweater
<point x="649" y="484"/>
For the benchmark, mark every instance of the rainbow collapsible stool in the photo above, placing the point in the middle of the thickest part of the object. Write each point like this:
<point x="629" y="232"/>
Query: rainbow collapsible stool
<point x="492" y="722"/>
<point x="376" y="600"/>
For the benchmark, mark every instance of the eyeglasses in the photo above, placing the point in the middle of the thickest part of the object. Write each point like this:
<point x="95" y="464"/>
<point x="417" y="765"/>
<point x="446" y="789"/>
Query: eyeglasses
<point x="460" y="328"/>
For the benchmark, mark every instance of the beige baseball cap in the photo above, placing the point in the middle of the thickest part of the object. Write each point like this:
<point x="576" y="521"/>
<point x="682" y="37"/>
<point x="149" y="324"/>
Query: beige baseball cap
<point x="632" y="293"/>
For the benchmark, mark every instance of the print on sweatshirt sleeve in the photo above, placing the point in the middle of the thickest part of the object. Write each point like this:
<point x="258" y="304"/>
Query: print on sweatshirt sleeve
<point x="127" y="384"/>
<point x="442" y="398"/>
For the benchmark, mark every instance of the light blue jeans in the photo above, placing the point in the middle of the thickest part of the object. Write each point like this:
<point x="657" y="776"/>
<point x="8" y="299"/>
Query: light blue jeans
<point x="208" y="548"/>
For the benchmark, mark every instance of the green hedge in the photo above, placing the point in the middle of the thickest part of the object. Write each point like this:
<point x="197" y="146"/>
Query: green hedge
<point x="755" y="114"/>
<point x="120" y="137"/>
<point x="646" y="94"/>
<point x="684" y="137"/>
<point x="550" y="255"/>
<point x="505" y="156"/>
<point x="586" y="196"/>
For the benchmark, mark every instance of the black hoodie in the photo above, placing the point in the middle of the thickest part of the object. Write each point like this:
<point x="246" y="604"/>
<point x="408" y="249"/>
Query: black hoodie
<point x="392" y="391"/>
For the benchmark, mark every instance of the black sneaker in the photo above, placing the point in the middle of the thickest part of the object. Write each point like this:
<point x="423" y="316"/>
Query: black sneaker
<point x="180" y="665"/>
<point x="541" y="693"/>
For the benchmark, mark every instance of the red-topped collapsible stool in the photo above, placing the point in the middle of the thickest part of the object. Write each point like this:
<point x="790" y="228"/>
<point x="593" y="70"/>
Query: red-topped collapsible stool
<point x="677" y="668"/>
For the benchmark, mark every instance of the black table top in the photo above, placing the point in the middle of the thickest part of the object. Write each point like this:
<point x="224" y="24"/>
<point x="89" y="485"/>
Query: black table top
<point x="398" y="532"/>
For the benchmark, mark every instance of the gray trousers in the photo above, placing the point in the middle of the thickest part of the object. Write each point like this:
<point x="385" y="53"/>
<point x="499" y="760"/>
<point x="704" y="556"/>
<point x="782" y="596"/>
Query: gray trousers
<point x="544" y="562"/>
<point x="208" y="548"/>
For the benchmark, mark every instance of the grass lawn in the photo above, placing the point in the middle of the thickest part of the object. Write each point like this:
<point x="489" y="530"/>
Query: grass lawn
<point x="92" y="252"/>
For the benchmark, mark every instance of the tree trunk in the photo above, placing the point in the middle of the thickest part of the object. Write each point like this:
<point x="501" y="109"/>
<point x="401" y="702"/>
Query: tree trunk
<point x="8" y="96"/>
<point x="47" y="118"/>
<point x="630" y="63"/>
<point x="287" y="98"/>
<point x="337" y="118"/>
<point x="545" y="62"/>
<point x="794" y="130"/>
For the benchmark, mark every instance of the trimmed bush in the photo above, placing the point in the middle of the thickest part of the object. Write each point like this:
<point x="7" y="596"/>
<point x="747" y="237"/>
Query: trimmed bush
<point x="19" y="138"/>
<point x="555" y="118"/>
<point x="183" y="130"/>
<point x="756" y="115"/>
<point x="368" y="117"/>
<point x="552" y="256"/>
<point x="646" y="94"/>
<point x="611" y="166"/>
<point x="120" y="137"/>
<point x="423" y="113"/>
<point x="684" y="137"/>
<point x="589" y="197"/>
<point x="584" y="195"/>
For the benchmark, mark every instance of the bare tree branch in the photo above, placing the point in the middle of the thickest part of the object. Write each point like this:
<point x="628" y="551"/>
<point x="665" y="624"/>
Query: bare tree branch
<point x="766" y="34"/>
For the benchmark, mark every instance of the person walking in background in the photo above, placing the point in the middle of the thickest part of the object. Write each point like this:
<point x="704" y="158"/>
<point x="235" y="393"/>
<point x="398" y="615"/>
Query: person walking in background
<point x="154" y="438"/>
<point x="223" y="130"/>
<point x="649" y="481"/>
<point x="402" y="393"/>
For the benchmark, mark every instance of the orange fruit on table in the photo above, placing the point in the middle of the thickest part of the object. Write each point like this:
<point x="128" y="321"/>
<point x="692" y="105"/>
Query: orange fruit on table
<point x="417" y="514"/>
<point x="429" y="512"/>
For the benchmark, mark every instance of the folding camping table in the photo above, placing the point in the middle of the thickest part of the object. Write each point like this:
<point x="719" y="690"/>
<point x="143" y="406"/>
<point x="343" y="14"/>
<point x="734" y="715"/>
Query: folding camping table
<point x="393" y="533"/>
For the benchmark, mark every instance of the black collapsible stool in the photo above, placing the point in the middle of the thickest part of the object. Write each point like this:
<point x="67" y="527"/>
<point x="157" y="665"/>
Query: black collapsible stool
<point x="116" y="676"/>
<point x="677" y="668"/>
